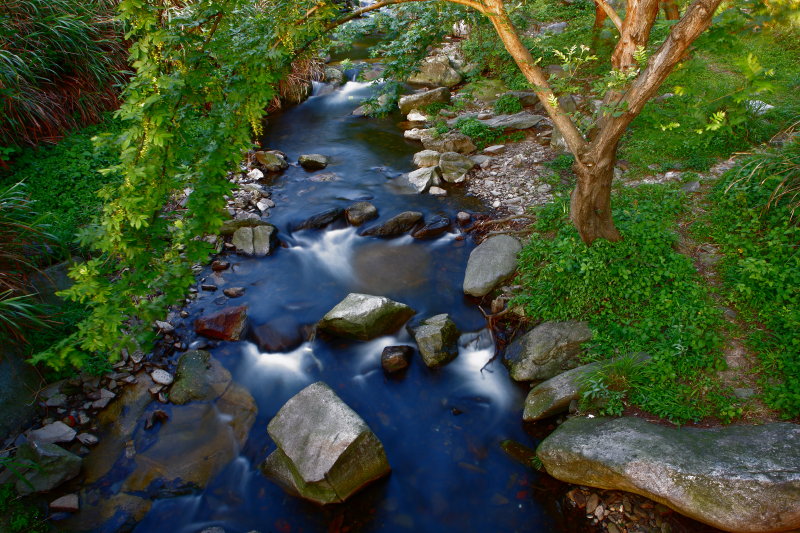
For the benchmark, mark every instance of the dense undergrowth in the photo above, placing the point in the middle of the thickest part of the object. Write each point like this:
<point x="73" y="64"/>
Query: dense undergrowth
<point x="759" y="237"/>
<point x="639" y="295"/>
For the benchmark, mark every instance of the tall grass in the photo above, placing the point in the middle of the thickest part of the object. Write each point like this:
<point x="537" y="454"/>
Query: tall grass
<point x="61" y="62"/>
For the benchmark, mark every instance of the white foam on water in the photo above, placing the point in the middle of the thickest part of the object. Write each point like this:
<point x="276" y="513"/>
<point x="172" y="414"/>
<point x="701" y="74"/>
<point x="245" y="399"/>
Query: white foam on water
<point x="476" y="379"/>
<point x="332" y="250"/>
<point x="347" y="93"/>
<point x="285" y="367"/>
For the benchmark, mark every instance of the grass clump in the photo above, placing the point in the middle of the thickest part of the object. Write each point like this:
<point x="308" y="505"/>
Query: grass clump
<point x="638" y="295"/>
<point x="754" y="226"/>
<point x="20" y="515"/>
<point x="507" y="104"/>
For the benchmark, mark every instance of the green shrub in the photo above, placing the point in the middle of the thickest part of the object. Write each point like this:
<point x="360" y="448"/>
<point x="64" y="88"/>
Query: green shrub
<point x="638" y="295"/>
<point x="507" y="104"/>
<point x="479" y="132"/>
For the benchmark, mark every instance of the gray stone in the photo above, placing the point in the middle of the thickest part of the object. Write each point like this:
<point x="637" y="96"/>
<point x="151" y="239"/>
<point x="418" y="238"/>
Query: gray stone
<point x="452" y="141"/>
<point x="481" y="160"/>
<point x="555" y="395"/>
<point x="416" y="116"/>
<point x="67" y="504"/>
<point x="437" y="225"/>
<point x="455" y="166"/>
<point x="258" y="241"/>
<point x="360" y="212"/>
<point x="423" y="178"/>
<point x="54" y="466"/>
<point x="397" y="225"/>
<point x="320" y="220"/>
<point x="162" y="377"/>
<point x="487" y="90"/>
<point x="420" y="100"/>
<point x="313" y="161"/>
<point x="87" y="439"/>
<point x="554" y="28"/>
<point x="365" y="317"/>
<point x="692" y="186"/>
<point x="326" y="452"/>
<point x="735" y="478"/>
<point x="437" y="191"/>
<point x="234" y="292"/>
<point x="426" y="158"/>
<point x="437" y="72"/>
<point x="417" y="134"/>
<point x="229" y="227"/>
<point x="557" y="142"/>
<point x="492" y="262"/>
<point x="518" y="121"/>
<point x="527" y="98"/>
<point x="437" y="340"/>
<point x="271" y="162"/>
<point x="396" y="358"/>
<point x="495" y="149"/>
<point x="55" y="432"/>
<point x="199" y="377"/>
<point x="546" y="351"/>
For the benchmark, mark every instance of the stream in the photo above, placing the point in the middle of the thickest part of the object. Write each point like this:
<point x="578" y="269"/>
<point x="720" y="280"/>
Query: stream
<point x="442" y="429"/>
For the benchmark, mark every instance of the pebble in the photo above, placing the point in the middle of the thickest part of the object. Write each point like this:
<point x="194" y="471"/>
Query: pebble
<point x="164" y="327"/>
<point x="437" y="191"/>
<point x="463" y="218"/>
<point x="208" y="287"/>
<point x="219" y="266"/>
<point x="162" y="377"/>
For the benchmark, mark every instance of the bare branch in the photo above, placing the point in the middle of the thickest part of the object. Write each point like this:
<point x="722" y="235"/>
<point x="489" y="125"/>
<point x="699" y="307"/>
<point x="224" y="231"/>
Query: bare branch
<point x="606" y="7"/>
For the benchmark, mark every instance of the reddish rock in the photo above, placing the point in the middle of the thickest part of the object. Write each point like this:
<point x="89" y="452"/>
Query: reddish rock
<point x="226" y="325"/>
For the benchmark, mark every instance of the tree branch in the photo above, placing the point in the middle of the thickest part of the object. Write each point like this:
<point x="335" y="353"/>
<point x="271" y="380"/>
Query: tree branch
<point x="606" y="7"/>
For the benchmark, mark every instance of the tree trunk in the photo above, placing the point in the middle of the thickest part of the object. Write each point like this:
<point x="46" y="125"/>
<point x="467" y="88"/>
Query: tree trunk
<point x="599" y="16"/>
<point x="590" y="205"/>
<point x="671" y="11"/>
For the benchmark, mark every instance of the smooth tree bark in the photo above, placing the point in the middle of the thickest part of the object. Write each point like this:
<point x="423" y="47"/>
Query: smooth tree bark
<point x="595" y="158"/>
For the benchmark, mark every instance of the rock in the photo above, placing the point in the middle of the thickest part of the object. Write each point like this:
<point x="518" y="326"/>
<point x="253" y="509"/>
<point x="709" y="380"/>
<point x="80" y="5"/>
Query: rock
<point x="233" y="292"/>
<point x="313" y="161"/>
<point x="417" y="134"/>
<point x="481" y="160"/>
<point x="56" y="400"/>
<point x="554" y="28"/>
<point x="279" y="335"/>
<point x="546" y="351"/>
<point x="396" y="358"/>
<point x="325" y="177"/>
<point x="54" y="466"/>
<point x="736" y="478"/>
<point x="326" y="452"/>
<point x="455" y="166"/>
<point x="437" y="191"/>
<point x="360" y="212"/>
<point x="518" y="121"/>
<point x="334" y="75"/>
<point x="421" y="100"/>
<point x="463" y="218"/>
<point x="492" y="262"/>
<point x="416" y="116"/>
<point x="435" y="227"/>
<point x="66" y="504"/>
<point x="271" y="162"/>
<point x="451" y="141"/>
<point x="200" y="377"/>
<point x="426" y="158"/>
<point x="397" y="225"/>
<point x="558" y="143"/>
<point x="495" y="149"/>
<point x="527" y="98"/>
<point x="255" y="175"/>
<point x="208" y="286"/>
<point x="555" y="395"/>
<point x="320" y="220"/>
<point x="258" y="241"/>
<point x="436" y="72"/>
<point x="87" y="439"/>
<point x="226" y="325"/>
<point x="423" y="178"/>
<point x="55" y="432"/>
<point x="692" y="186"/>
<point x="229" y="227"/>
<point x="164" y="327"/>
<point x="364" y="317"/>
<point x="162" y="377"/>
<point x="437" y="340"/>
<point x="487" y="90"/>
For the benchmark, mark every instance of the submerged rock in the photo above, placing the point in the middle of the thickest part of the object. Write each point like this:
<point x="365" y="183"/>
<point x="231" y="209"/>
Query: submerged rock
<point x="437" y="340"/>
<point x="422" y="99"/>
<point x="326" y="452"/>
<point x="547" y="350"/>
<point x="360" y="212"/>
<point x="320" y="220"/>
<point x="51" y="465"/>
<point x="397" y="225"/>
<point x="313" y="161"/>
<point x="435" y="227"/>
<point x="492" y="262"/>
<point x="199" y="377"/>
<point x="396" y="358"/>
<point x="455" y="166"/>
<point x="736" y="478"/>
<point x="279" y="335"/>
<point x="227" y="324"/>
<point x="364" y="317"/>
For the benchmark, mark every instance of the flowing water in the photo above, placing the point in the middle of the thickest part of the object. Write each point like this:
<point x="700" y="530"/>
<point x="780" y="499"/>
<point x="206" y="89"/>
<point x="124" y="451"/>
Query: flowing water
<point x="442" y="429"/>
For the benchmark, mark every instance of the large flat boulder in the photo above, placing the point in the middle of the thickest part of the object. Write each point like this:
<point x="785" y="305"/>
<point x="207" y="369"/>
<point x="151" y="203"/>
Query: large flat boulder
<point x="518" y="121"/>
<point x="437" y="340"/>
<point x="436" y="72"/>
<point x="365" y="317"/>
<point x="199" y="377"/>
<point x="420" y="100"/>
<point x="491" y="263"/>
<point x="326" y="452"/>
<point x="547" y="350"/>
<point x="452" y="141"/>
<point x="736" y="478"/>
<point x="50" y="466"/>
